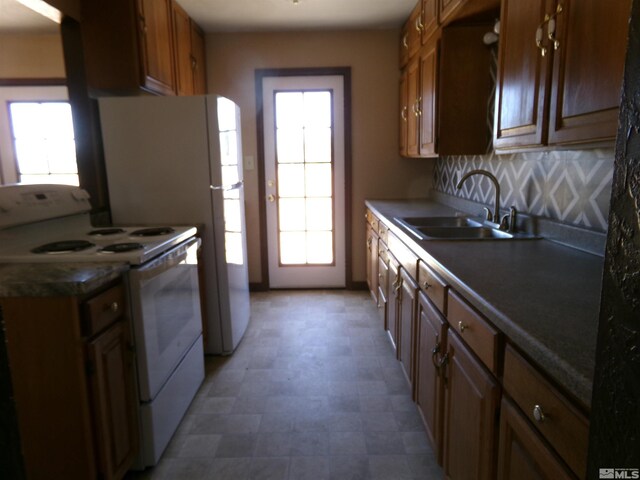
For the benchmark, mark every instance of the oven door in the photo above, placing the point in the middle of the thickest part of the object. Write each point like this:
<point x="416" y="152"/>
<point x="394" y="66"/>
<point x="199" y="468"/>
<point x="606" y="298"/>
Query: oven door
<point x="165" y="302"/>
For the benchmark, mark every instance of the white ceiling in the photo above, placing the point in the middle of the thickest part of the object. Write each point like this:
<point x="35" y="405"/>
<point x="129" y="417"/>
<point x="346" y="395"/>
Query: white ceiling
<point x="251" y="15"/>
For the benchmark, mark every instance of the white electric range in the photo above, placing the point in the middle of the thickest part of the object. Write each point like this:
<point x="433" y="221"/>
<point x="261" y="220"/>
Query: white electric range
<point x="51" y="223"/>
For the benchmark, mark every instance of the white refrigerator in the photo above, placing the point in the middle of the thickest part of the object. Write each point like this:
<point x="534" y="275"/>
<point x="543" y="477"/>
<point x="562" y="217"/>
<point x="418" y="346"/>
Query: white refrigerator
<point x="178" y="161"/>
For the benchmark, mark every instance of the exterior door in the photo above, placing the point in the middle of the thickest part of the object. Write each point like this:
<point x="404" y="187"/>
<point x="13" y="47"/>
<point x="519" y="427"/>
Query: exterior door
<point x="305" y="180"/>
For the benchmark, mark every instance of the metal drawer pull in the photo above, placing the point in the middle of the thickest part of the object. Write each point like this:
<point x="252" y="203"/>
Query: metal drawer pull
<point x="112" y="307"/>
<point x="462" y="327"/>
<point x="551" y="29"/>
<point x="538" y="414"/>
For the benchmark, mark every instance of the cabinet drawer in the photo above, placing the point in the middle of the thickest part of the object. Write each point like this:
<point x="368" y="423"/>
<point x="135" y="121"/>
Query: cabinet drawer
<point x="475" y="330"/>
<point x="431" y="284"/>
<point x="372" y="220"/>
<point x="103" y="309"/>
<point x="404" y="255"/>
<point x="383" y="232"/>
<point x="566" y="429"/>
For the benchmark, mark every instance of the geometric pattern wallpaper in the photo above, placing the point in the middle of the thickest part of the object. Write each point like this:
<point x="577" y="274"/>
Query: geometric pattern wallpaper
<point x="572" y="187"/>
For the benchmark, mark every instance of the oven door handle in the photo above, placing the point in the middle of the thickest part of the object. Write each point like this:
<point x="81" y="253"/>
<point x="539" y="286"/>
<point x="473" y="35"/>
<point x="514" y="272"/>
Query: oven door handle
<point x="167" y="260"/>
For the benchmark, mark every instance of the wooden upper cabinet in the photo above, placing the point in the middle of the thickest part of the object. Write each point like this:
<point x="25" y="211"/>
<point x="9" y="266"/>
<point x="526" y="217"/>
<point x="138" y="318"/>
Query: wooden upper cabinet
<point x="411" y="35"/>
<point x="428" y="100"/>
<point x="156" y="45"/>
<point x="198" y="60"/>
<point x="560" y="72"/>
<point x="430" y="16"/>
<point x="523" y="76"/>
<point x="588" y="66"/>
<point x="413" y="101"/>
<point x="182" y="45"/>
<point x="189" y="54"/>
<point x="404" y="113"/>
<point x="448" y="7"/>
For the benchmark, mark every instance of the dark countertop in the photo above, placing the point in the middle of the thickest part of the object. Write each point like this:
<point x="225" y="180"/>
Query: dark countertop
<point x="53" y="279"/>
<point x="544" y="296"/>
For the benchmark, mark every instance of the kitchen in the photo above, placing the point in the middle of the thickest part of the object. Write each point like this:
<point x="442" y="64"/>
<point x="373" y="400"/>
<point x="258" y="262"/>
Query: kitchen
<point x="231" y="60"/>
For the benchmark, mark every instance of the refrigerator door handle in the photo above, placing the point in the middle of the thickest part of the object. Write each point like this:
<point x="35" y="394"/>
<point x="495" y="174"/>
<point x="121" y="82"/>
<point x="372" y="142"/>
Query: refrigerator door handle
<point x="233" y="186"/>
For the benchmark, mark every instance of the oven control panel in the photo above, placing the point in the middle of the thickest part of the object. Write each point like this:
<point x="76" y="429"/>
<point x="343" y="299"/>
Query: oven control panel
<point x="21" y="204"/>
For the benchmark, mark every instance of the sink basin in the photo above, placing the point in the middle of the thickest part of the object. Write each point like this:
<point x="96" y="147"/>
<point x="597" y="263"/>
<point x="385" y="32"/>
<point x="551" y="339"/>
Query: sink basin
<point x="455" y="228"/>
<point x="438" y="222"/>
<point x="463" y="233"/>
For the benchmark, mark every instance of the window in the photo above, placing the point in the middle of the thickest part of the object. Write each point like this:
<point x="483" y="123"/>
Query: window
<point x="44" y="144"/>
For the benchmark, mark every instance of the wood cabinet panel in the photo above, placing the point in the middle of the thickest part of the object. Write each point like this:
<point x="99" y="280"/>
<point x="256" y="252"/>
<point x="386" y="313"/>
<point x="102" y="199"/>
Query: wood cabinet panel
<point x="372" y="262"/>
<point x="429" y="390"/>
<point x="393" y="303"/>
<point x="156" y="35"/>
<point x="103" y="309"/>
<point x="523" y="77"/>
<point x="404" y="255"/>
<point x="587" y="70"/>
<point x="566" y="429"/>
<point x="472" y="401"/>
<point x="407" y="325"/>
<point x="430" y="19"/>
<point x="427" y="100"/>
<point x="198" y="54"/>
<point x="433" y="286"/>
<point x="113" y="400"/>
<point x="413" y="116"/>
<point x="482" y="338"/>
<point x="404" y="114"/>
<point x="182" y="51"/>
<point x="522" y="454"/>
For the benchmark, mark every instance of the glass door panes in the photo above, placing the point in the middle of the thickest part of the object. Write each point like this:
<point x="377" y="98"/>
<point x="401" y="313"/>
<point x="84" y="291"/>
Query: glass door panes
<point x="44" y="142"/>
<point x="304" y="164"/>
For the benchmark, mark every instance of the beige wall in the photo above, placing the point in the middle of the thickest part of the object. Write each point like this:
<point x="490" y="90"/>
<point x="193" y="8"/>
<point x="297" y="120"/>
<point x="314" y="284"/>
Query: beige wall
<point x="378" y="170"/>
<point x="31" y="56"/>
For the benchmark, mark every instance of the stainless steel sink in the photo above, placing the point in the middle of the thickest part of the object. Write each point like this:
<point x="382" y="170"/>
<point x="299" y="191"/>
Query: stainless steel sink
<point x="463" y="233"/>
<point x="438" y="222"/>
<point x="455" y="228"/>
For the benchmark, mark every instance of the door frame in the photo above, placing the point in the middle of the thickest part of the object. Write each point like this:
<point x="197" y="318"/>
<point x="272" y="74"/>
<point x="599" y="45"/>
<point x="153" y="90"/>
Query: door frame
<point x="345" y="73"/>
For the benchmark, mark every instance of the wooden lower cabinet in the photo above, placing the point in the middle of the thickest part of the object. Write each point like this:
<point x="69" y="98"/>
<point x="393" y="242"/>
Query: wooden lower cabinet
<point x="113" y="400"/>
<point x="393" y="302"/>
<point x="71" y="364"/>
<point x="429" y="389"/>
<point x="383" y="285"/>
<point x="406" y="322"/>
<point x="472" y="402"/>
<point x="372" y="261"/>
<point x="523" y="454"/>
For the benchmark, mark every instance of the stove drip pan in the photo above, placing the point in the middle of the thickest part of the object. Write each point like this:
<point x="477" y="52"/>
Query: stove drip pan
<point x="64" y="246"/>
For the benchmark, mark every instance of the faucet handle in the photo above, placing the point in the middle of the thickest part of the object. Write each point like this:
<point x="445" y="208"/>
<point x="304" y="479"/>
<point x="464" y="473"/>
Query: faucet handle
<point x="504" y="223"/>
<point x="487" y="213"/>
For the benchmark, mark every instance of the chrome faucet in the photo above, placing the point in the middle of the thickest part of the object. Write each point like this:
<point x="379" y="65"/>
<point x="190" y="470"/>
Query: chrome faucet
<point x="496" y="211"/>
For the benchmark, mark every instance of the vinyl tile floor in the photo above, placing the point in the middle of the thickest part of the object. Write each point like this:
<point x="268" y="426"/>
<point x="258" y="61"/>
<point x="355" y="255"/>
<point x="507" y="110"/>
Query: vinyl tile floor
<point x="313" y="391"/>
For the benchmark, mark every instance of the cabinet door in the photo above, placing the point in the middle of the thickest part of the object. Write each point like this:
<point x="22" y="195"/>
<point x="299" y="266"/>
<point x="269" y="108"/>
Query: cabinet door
<point x="406" y="321"/>
<point x="372" y="262"/>
<point x="427" y="100"/>
<point x="588" y="65"/>
<point x="404" y="113"/>
<point x="523" y="76"/>
<point x="447" y="7"/>
<point x="413" y="118"/>
<point x="182" y="44"/>
<point x="429" y="19"/>
<point x="430" y="349"/>
<point x="393" y="301"/>
<point x="471" y="413"/>
<point x="383" y="287"/>
<point x="113" y="400"/>
<point x="198" y="59"/>
<point x="156" y="46"/>
<point x="522" y="453"/>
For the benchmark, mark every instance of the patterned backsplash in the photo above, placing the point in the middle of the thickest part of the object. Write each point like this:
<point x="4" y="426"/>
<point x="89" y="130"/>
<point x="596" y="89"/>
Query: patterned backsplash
<point x="569" y="186"/>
